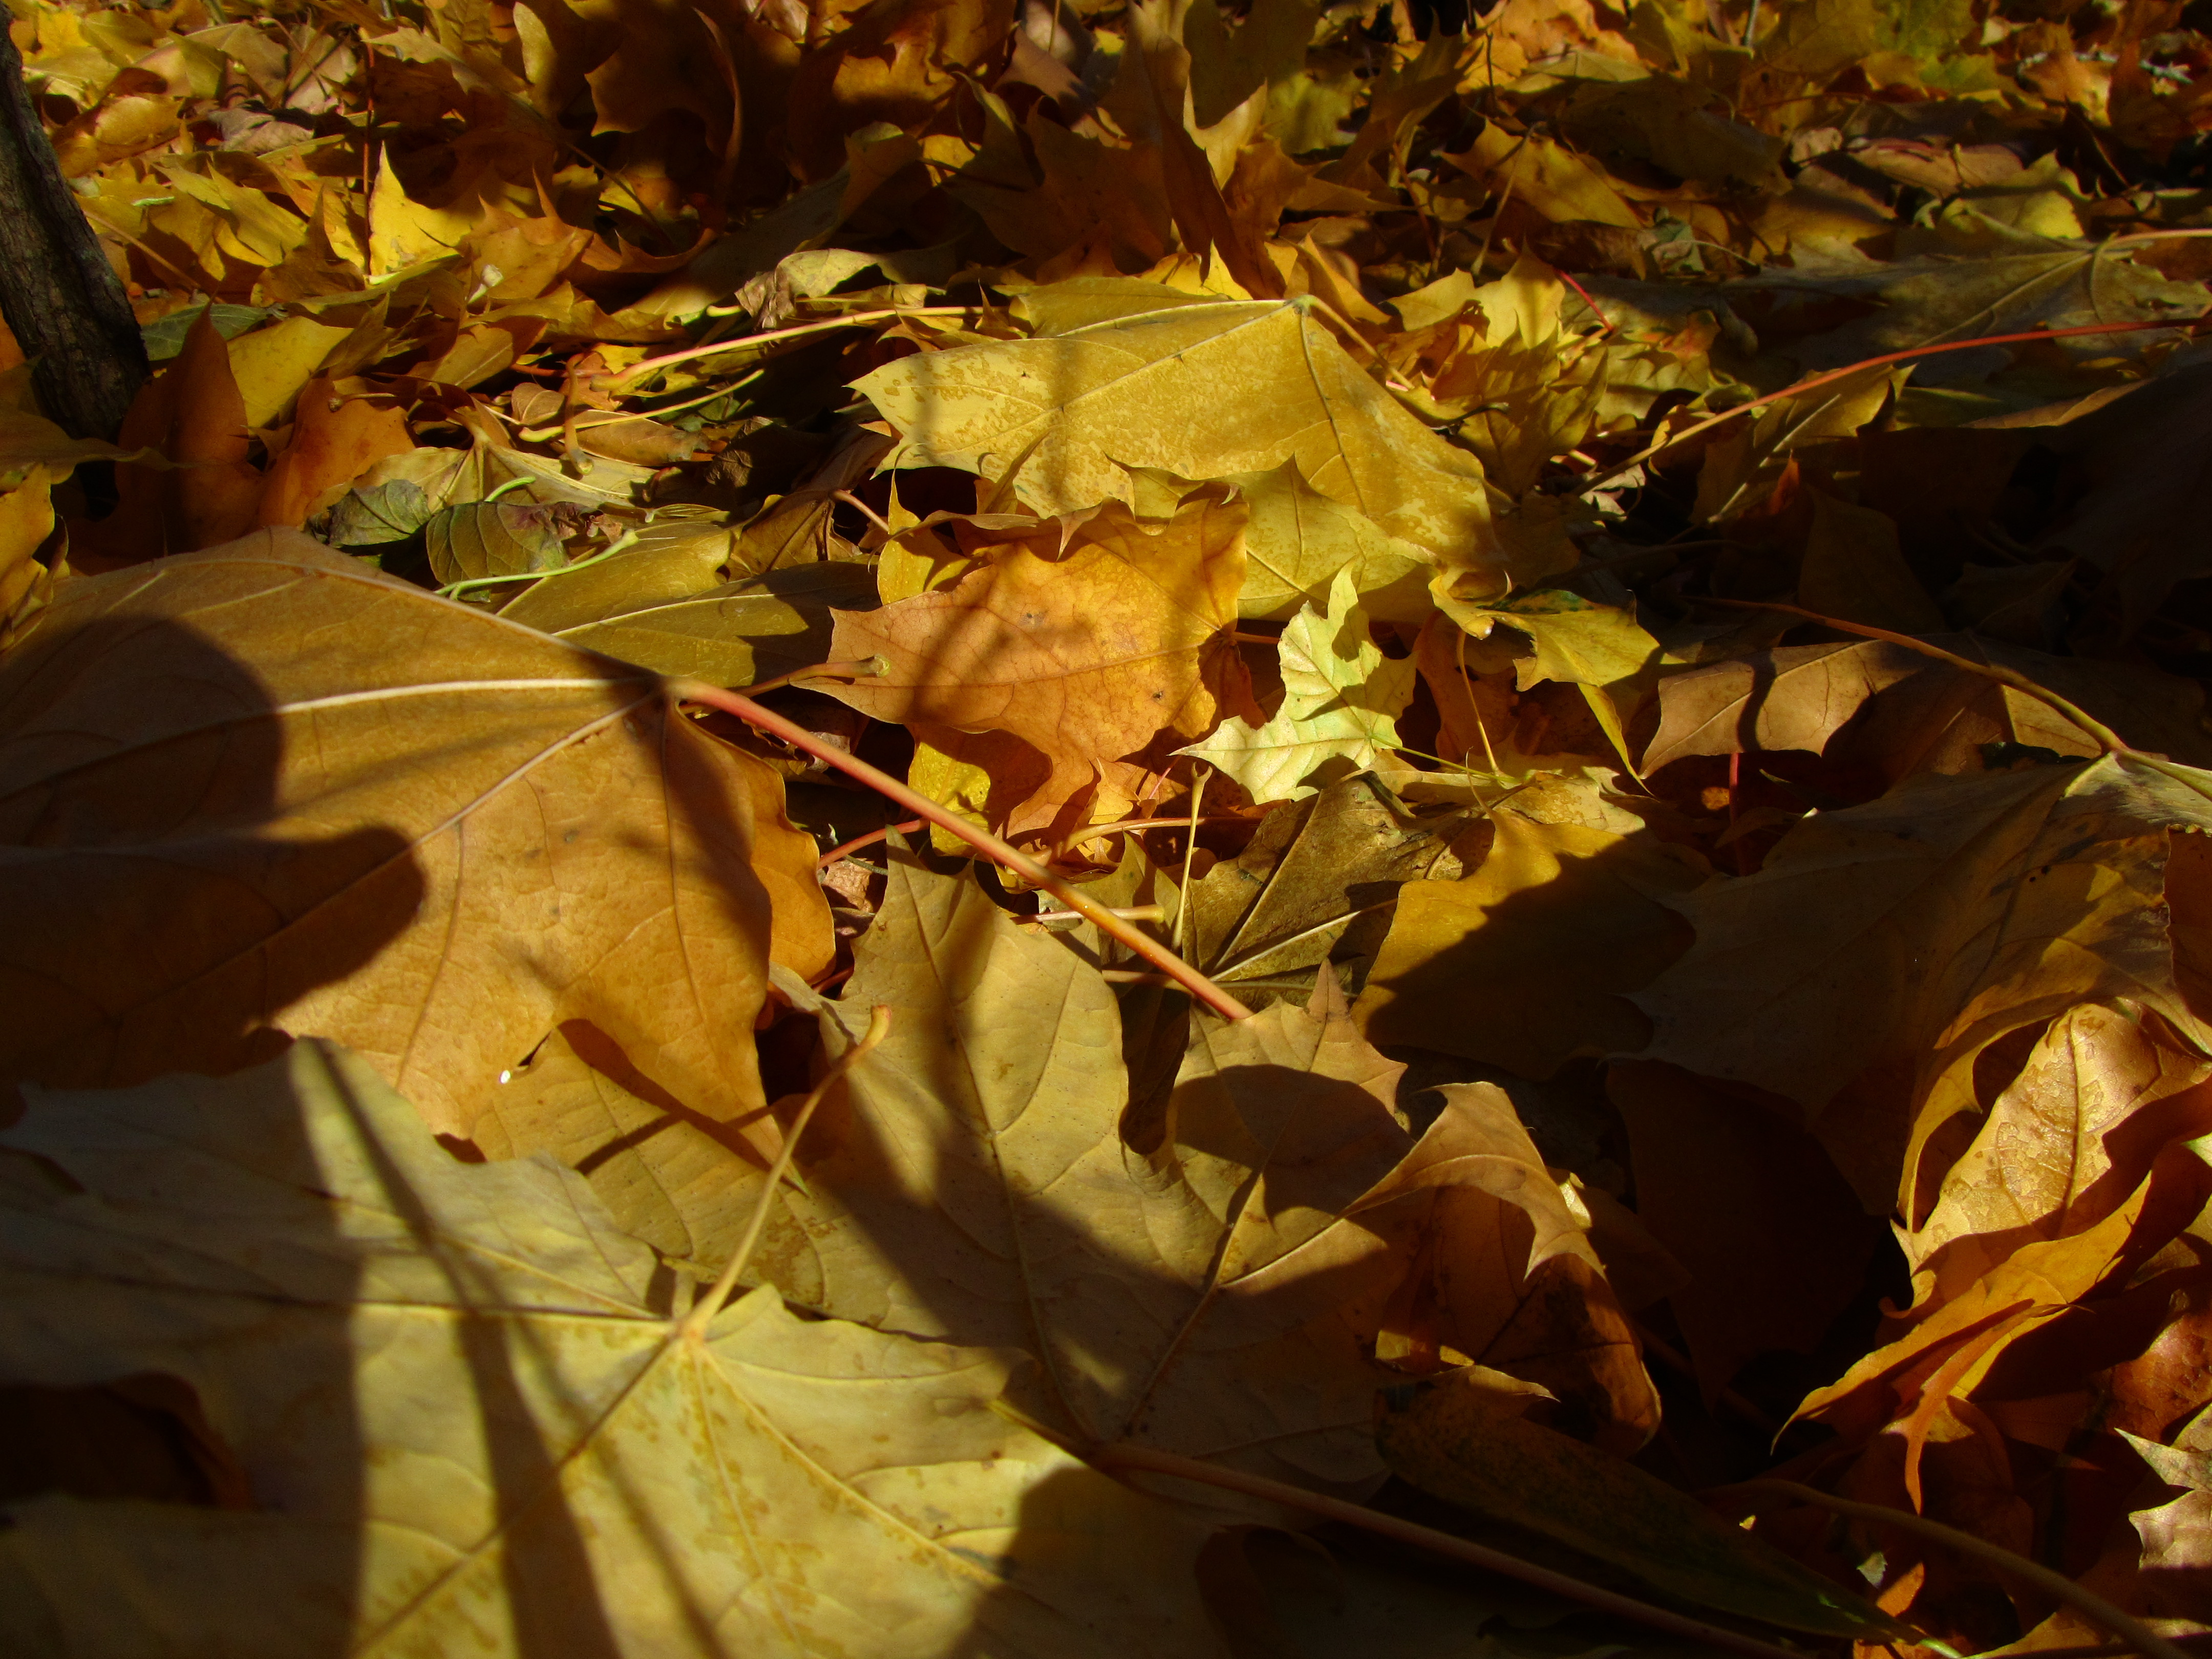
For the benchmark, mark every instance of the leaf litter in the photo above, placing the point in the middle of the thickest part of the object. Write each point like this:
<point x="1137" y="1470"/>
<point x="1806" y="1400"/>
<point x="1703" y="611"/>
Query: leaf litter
<point x="1625" y="580"/>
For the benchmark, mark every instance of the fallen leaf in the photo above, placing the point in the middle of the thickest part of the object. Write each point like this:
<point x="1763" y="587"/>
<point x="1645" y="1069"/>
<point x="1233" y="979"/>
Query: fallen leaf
<point x="1470" y="1443"/>
<point x="1942" y="916"/>
<point x="869" y="1492"/>
<point x="334" y="441"/>
<point x="1159" y="1289"/>
<point x="1201" y="389"/>
<point x="1528" y="960"/>
<point x="470" y="786"/>
<point x="1775" y="1241"/>
<point x="1084" y="638"/>
<point x="1296" y="540"/>
<point x="1340" y="700"/>
<point x="1317" y="880"/>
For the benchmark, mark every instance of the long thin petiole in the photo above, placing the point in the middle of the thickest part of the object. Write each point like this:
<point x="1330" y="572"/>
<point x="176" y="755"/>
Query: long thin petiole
<point x="766" y="720"/>
<point x="703" y="1312"/>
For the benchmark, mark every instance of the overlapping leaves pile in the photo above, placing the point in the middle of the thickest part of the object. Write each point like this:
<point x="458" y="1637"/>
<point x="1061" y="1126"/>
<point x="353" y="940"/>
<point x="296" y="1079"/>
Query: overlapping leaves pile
<point x="1725" y="900"/>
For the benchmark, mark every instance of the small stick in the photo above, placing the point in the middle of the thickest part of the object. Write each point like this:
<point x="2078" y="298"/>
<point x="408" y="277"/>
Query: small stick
<point x="843" y="848"/>
<point x="1113" y="1458"/>
<point x="2091" y="1605"/>
<point x="2090" y="724"/>
<point x="855" y="319"/>
<point x="1835" y="375"/>
<point x="975" y="835"/>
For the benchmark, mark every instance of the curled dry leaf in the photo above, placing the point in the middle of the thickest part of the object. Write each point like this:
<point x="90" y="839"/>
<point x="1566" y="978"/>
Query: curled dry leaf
<point x="1945" y="916"/>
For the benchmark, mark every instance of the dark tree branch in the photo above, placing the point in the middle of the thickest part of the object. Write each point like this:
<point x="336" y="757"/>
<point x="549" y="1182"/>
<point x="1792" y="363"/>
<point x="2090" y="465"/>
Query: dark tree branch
<point x="59" y="295"/>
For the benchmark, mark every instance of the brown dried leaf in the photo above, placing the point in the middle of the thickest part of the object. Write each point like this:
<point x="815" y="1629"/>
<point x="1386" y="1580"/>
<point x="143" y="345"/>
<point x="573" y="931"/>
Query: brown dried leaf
<point x="435" y="836"/>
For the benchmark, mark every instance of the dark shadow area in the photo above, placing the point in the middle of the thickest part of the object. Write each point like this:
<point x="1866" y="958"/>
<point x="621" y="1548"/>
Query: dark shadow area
<point x="109" y="1480"/>
<point x="148" y="921"/>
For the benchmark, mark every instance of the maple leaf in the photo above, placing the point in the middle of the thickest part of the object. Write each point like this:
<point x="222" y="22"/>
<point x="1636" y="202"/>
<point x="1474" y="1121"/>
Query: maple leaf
<point x="1084" y="637"/>
<point x="1304" y="884"/>
<point x="1340" y="700"/>
<point x="1197" y="387"/>
<point x="1545" y="936"/>
<point x="1296" y="540"/>
<point x="1487" y="343"/>
<point x="357" y="840"/>
<point x="1169" y="1283"/>
<point x="293" y="1245"/>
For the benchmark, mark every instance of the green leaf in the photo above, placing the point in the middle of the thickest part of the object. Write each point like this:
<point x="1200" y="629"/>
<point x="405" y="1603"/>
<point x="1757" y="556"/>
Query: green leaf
<point x="383" y="513"/>
<point x="492" y="538"/>
<point x="1341" y="698"/>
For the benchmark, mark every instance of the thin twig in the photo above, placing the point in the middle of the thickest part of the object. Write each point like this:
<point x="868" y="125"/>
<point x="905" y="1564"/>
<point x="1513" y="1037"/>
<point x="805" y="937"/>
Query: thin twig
<point x="846" y="849"/>
<point x="1582" y="293"/>
<point x="862" y="668"/>
<point x="1114" y="1458"/>
<point x="452" y="590"/>
<point x="2090" y="1605"/>
<point x="2108" y="740"/>
<point x="1835" y="375"/>
<point x="717" y="347"/>
<point x="975" y="835"/>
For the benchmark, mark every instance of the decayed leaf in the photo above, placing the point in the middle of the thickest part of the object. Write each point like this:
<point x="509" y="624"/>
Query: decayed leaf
<point x="1084" y="638"/>
<point x="468" y="1417"/>
<point x="1341" y="698"/>
<point x="436" y="835"/>
<point x="1201" y="389"/>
